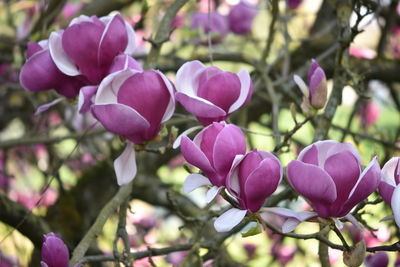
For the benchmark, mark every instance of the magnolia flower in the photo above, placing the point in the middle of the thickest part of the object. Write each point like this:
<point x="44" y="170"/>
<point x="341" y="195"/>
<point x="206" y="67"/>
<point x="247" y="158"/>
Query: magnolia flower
<point x="252" y="178"/>
<point x="241" y="17"/>
<point x="54" y="252"/>
<point x="328" y="173"/>
<point x="212" y="151"/>
<point x="100" y="40"/>
<point x="389" y="187"/>
<point x="65" y="64"/>
<point x="315" y="94"/>
<point x="133" y="104"/>
<point x="210" y="93"/>
<point x="214" y="24"/>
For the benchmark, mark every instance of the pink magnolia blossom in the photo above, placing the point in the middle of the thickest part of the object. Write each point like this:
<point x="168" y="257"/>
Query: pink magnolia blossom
<point x="252" y="178"/>
<point x="328" y="173"/>
<point x="71" y="9"/>
<point x="212" y="151"/>
<point x="65" y="64"/>
<point x="214" y="24"/>
<point x="210" y="93"/>
<point x="362" y="52"/>
<point x="315" y="94"/>
<point x="54" y="252"/>
<point x="133" y="104"/>
<point x="369" y="113"/>
<point x="241" y="17"/>
<point x="389" y="187"/>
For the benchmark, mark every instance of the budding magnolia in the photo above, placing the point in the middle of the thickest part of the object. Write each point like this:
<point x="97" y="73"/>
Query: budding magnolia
<point x="315" y="94"/>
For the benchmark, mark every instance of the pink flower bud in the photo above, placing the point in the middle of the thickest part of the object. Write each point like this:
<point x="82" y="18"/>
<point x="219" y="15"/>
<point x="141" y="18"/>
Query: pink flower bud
<point x="213" y="150"/>
<point x="315" y="94"/>
<point x="253" y="178"/>
<point x="241" y="17"/>
<point x="328" y="173"/>
<point x="133" y="104"/>
<point x="210" y="93"/>
<point x="54" y="251"/>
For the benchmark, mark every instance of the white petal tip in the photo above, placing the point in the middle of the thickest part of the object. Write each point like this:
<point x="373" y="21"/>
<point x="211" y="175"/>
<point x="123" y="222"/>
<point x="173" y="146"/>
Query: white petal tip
<point x="125" y="166"/>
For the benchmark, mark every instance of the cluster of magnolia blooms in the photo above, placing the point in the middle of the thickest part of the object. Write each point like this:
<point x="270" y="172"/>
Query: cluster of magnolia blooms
<point x="90" y="58"/>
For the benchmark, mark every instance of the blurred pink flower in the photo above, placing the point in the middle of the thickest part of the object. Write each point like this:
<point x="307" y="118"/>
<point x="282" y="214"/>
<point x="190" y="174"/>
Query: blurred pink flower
<point x="283" y="253"/>
<point x="369" y="113"/>
<point x="362" y="52"/>
<point x="71" y="9"/>
<point x="175" y="258"/>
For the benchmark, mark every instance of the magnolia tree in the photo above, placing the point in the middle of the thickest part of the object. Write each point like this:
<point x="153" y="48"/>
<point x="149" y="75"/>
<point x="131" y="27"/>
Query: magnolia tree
<point x="180" y="133"/>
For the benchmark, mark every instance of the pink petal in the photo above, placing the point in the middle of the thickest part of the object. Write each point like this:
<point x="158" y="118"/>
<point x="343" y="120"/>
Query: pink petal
<point x="311" y="156"/>
<point x="194" y="155"/>
<point x="110" y="85"/>
<point x="120" y="119"/>
<point x="395" y="203"/>
<point x="199" y="107"/>
<point x="81" y="43"/>
<point x="367" y="183"/>
<point x="246" y="90"/>
<point x="148" y="95"/>
<point x="232" y="181"/>
<point x="194" y="181"/>
<point x="45" y="107"/>
<point x="32" y="48"/>
<point x="229" y="143"/>
<point x="317" y="77"/>
<point x="123" y="62"/>
<point x="114" y="40"/>
<point x="229" y="219"/>
<point x="125" y="165"/>
<point x="386" y="191"/>
<point x="261" y="183"/>
<point x="312" y="182"/>
<point x="389" y="171"/>
<point x="311" y="70"/>
<point x="221" y="89"/>
<point x="177" y="141"/>
<point x="171" y="105"/>
<point x="85" y="98"/>
<point x="39" y="73"/>
<point x="63" y="62"/>
<point x="212" y="193"/>
<point x="339" y="147"/>
<point x="344" y="169"/>
<point x="187" y="77"/>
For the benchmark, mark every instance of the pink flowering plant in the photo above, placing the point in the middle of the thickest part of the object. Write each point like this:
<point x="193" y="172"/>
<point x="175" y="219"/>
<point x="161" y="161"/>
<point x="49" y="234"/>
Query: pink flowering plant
<point x="173" y="133"/>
